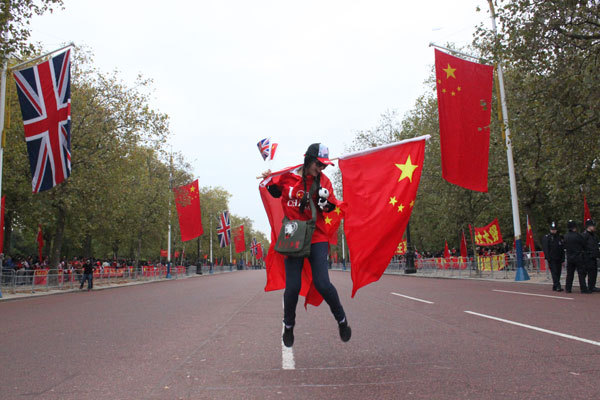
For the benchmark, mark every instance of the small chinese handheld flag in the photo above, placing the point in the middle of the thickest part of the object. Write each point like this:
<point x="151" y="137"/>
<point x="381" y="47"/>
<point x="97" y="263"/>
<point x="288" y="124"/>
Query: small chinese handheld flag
<point x="529" y="240"/>
<point x="187" y="200"/>
<point x="463" y="246"/>
<point x="164" y="253"/>
<point x="380" y="187"/>
<point x="446" y="250"/>
<point x="586" y="211"/>
<point x="333" y="220"/>
<point x="238" y="239"/>
<point x="464" y="91"/>
<point x="40" y="241"/>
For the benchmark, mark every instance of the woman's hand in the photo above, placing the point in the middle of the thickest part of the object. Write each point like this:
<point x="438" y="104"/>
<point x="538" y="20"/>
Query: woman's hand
<point x="266" y="173"/>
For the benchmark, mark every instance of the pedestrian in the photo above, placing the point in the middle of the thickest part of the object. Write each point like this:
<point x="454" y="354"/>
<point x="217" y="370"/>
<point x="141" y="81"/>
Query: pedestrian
<point x="292" y="187"/>
<point x="88" y="274"/>
<point x="575" y="247"/>
<point x="592" y="253"/>
<point x="554" y="252"/>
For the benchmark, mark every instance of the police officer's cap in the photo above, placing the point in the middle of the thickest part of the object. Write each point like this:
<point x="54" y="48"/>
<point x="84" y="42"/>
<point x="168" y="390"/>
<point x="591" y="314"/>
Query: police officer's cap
<point x="571" y="224"/>
<point x="553" y="226"/>
<point x="590" y="222"/>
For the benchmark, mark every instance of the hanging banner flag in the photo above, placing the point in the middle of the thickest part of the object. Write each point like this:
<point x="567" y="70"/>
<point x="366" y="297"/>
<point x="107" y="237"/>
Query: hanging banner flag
<point x="224" y="230"/>
<point x="2" y="225"/>
<point x="401" y="249"/>
<point x="529" y="240"/>
<point x="273" y="148"/>
<point x="239" y="240"/>
<point x="40" y="242"/>
<point x="164" y="253"/>
<point x="45" y="96"/>
<point x="489" y="235"/>
<point x="259" y="251"/>
<point x="176" y="255"/>
<point x="464" y="92"/>
<point x="187" y="200"/>
<point x="254" y="247"/>
<point x="446" y="250"/>
<point x="264" y="146"/>
<point x="380" y="188"/>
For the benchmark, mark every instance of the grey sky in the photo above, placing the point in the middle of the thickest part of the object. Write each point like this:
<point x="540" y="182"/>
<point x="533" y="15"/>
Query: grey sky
<point x="231" y="72"/>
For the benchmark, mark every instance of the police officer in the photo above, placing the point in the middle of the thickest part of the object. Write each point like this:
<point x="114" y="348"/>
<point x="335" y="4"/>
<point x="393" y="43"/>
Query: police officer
<point x="575" y="246"/>
<point x="592" y="253"/>
<point x="554" y="252"/>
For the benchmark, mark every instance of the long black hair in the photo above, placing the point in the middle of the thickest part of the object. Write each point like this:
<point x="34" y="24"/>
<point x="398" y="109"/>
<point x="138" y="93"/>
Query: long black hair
<point x="308" y="160"/>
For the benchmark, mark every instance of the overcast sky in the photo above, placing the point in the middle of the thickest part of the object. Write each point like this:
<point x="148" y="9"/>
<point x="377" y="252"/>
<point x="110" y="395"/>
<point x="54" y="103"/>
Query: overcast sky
<point x="231" y="72"/>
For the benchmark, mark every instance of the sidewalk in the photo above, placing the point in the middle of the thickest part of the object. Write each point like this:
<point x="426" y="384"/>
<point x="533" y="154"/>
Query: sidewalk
<point x="100" y="285"/>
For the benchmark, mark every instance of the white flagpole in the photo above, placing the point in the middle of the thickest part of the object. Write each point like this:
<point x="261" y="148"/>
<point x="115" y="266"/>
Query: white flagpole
<point x="521" y="274"/>
<point x="2" y="112"/>
<point x="169" y="234"/>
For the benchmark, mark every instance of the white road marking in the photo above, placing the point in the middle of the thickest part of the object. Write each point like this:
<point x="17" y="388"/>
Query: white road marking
<point x="531" y="294"/>
<point x="412" y="298"/>
<point x="535" y="328"/>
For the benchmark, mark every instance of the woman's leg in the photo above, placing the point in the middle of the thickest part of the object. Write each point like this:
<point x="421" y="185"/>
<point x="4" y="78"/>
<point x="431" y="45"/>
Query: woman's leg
<point x="318" y="263"/>
<point x="293" y="282"/>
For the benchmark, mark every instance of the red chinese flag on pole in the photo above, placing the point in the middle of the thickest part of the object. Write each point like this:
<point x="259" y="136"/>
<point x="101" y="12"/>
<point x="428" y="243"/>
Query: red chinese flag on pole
<point x="259" y="252"/>
<point x="446" y="250"/>
<point x="2" y="225"/>
<point x="380" y="187"/>
<point x="40" y="241"/>
<point x="463" y="246"/>
<point x="464" y="91"/>
<point x="239" y="239"/>
<point x="187" y="200"/>
<point x="274" y="261"/>
<point x="586" y="211"/>
<point x="489" y="235"/>
<point x="529" y="240"/>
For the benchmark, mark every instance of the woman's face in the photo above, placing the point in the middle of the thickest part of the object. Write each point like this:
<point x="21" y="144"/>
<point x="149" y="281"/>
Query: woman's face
<point x="315" y="168"/>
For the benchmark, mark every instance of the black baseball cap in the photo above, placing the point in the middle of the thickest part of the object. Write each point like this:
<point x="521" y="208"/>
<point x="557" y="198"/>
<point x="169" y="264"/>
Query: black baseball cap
<point x="320" y="152"/>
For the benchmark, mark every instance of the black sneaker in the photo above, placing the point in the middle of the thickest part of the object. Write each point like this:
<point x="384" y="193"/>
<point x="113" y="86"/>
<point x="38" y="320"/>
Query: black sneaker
<point x="345" y="331"/>
<point x="288" y="336"/>
<point x="559" y="290"/>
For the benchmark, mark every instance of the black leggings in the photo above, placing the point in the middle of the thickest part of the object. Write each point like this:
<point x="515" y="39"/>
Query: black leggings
<point x="320" y="275"/>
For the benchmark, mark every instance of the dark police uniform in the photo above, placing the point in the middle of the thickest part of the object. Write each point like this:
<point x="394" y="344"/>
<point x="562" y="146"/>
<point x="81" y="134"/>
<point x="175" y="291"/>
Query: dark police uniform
<point x="554" y="252"/>
<point x="592" y="253"/>
<point x="575" y="246"/>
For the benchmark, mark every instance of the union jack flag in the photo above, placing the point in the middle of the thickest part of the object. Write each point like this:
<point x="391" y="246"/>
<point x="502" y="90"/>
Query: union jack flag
<point x="224" y="230"/>
<point x="254" y="247"/>
<point x="264" y="146"/>
<point x="45" y="97"/>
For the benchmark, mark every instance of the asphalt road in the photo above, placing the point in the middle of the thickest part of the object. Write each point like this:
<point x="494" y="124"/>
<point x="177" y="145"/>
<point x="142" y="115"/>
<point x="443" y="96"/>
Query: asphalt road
<point x="219" y="337"/>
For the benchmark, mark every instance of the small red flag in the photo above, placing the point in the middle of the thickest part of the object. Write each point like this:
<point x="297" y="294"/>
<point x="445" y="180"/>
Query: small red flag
<point x="164" y="253"/>
<point x="463" y="246"/>
<point x="333" y="220"/>
<point x="239" y="240"/>
<point x="176" y="254"/>
<point x="446" y="251"/>
<point x="40" y="241"/>
<point x="464" y="91"/>
<point x="2" y="225"/>
<point x="259" y="252"/>
<point x="273" y="148"/>
<point x="586" y="211"/>
<point x="187" y="200"/>
<point x="489" y="235"/>
<point x="380" y="187"/>
<point x="529" y="240"/>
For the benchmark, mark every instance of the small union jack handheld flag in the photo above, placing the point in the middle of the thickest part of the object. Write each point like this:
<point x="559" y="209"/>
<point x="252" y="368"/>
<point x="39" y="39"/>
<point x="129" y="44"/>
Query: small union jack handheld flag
<point x="254" y="247"/>
<point x="45" y="97"/>
<point x="224" y="230"/>
<point x="264" y="146"/>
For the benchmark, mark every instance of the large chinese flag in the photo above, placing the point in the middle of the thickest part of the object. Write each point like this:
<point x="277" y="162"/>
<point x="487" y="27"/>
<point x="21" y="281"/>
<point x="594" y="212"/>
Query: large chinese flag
<point x="239" y="240"/>
<point x="489" y="235"/>
<point x="274" y="261"/>
<point x="187" y="200"/>
<point x="464" y="92"/>
<point x="380" y="187"/>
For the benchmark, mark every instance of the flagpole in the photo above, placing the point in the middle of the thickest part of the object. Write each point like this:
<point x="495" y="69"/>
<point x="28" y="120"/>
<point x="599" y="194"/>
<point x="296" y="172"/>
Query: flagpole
<point x="169" y="235"/>
<point x="211" y="253"/>
<point x="343" y="248"/>
<point x="43" y="55"/>
<point x="521" y="274"/>
<point x="2" y="112"/>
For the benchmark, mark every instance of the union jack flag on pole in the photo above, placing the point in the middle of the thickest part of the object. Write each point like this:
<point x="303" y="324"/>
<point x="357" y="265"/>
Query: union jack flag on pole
<point x="224" y="230"/>
<point x="264" y="146"/>
<point x="45" y="96"/>
<point x="254" y="247"/>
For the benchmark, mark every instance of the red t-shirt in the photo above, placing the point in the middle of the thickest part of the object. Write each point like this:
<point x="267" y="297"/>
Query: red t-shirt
<point x="292" y="191"/>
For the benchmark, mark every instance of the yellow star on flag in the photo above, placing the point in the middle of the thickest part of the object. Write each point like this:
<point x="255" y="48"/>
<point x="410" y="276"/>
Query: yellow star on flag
<point x="337" y="211"/>
<point x="393" y="201"/>
<point x="449" y="72"/>
<point x="328" y="220"/>
<point x="407" y="169"/>
<point x="400" y="208"/>
<point x="412" y="203"/>
<point x="192" y="189"/>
